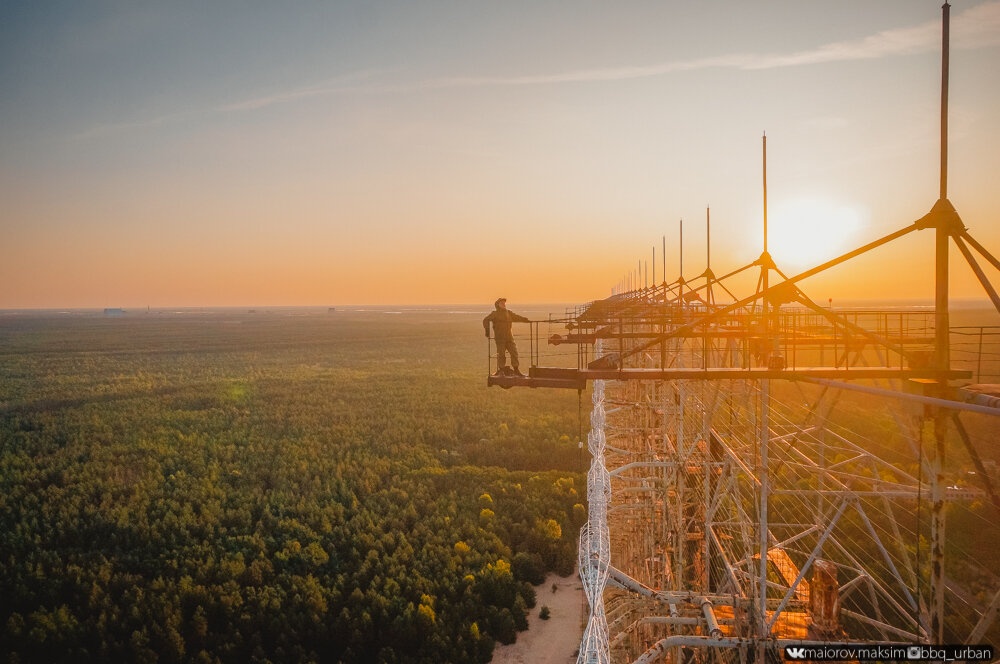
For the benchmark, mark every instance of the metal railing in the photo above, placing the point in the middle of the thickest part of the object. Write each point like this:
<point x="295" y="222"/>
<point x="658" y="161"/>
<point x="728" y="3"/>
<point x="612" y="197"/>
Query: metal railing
<point x="977" y="349"/>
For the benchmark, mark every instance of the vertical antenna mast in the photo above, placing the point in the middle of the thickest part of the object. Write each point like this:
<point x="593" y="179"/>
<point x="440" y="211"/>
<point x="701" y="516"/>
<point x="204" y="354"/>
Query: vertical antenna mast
<point x="765" y="193"/>
<point x="942" y="235"/>
<point x="765" y="393"/>
<point x="942" y="352"/>
<point x="945" y="39"/>
<point x="708" y="239"/>
<point x="680" y="279"/>
<point x="709" y="276"/>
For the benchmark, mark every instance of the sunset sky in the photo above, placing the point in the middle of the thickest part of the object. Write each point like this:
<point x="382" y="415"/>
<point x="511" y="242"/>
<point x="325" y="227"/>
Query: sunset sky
<point x="325" y="153"/>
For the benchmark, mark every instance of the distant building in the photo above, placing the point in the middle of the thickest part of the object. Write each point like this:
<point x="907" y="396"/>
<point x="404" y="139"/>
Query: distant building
<point x="114" y="311"/>
<point x="331" y="310"/>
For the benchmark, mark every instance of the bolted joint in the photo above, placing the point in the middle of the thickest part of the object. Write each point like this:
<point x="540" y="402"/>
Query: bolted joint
<point x="766" y="261"/>
<point x="942" y="215"/>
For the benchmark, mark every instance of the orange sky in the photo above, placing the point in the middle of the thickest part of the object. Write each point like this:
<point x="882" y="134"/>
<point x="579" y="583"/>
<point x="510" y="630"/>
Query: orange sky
<point x="168" y="157"/>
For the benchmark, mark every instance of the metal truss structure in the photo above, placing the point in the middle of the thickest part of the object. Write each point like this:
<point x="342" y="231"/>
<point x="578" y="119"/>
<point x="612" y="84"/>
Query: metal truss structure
<point x="743" y="493"/>
<point x="694" y="481"/>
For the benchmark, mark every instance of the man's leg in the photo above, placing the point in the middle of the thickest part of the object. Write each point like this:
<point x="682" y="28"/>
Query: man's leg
<point x="512" y="348"/>
<point x="501" y="353"/>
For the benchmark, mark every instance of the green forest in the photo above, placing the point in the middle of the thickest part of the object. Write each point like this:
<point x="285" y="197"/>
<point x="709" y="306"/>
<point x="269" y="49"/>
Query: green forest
<point x="274" y="487"/>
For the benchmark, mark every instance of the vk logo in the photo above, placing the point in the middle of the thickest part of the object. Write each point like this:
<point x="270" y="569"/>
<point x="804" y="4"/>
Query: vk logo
<point x="795" y="653"/>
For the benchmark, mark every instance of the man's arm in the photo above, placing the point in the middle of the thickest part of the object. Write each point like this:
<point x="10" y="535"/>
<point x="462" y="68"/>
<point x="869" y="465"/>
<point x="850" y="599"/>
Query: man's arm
<point x="486" y="324"/>
<point x="519" y="319"/>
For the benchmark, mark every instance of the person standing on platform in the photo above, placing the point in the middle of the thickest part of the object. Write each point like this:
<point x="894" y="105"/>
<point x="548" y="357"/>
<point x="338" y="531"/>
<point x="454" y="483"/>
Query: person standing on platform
<point x="503" y="320"/>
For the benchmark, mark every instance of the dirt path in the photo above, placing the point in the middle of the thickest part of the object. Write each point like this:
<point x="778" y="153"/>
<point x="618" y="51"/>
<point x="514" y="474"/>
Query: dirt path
<point x="552" y="641"/>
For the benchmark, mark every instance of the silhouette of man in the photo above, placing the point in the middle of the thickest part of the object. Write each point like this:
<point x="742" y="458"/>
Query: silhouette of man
<point x="503" y="320"/>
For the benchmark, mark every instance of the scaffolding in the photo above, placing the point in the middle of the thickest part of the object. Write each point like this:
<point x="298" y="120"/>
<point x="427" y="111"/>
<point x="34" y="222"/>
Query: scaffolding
<point x="737" y="502"/>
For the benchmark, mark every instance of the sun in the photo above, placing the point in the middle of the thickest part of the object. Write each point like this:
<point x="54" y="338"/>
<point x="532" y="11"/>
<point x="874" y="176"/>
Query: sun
<point x="804" y="232"/>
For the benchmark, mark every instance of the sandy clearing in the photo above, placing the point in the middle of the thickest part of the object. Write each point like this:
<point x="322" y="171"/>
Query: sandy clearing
<point x="552" y="641"/>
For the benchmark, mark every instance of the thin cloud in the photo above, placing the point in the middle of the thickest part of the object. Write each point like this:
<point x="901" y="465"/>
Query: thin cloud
<point x="331" y="86"/>
<point x="976" y="27"/>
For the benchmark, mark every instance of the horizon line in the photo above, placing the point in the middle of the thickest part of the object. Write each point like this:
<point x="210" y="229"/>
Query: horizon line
<point x="356" y="306"/>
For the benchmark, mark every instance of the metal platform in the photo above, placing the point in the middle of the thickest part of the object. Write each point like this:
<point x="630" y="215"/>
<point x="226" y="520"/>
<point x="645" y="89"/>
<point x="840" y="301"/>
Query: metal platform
<point x="536" y="379"/>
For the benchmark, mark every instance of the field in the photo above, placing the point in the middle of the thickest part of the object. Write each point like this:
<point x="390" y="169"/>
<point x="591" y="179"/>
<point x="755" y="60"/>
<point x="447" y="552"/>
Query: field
<point x="273" y="486"/>
<point x="295" y="485"/>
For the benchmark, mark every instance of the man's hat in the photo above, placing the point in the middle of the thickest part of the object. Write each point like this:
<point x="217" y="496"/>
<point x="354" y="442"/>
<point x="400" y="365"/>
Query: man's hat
<point x="499" y="300"/>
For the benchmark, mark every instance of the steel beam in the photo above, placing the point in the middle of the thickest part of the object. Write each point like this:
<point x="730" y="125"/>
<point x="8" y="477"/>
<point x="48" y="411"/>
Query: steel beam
<point x="573" y="376"/>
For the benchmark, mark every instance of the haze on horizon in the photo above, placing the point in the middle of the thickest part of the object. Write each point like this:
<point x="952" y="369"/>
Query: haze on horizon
<point x="177" y="154"/>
